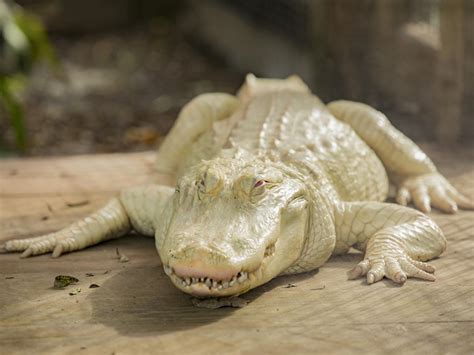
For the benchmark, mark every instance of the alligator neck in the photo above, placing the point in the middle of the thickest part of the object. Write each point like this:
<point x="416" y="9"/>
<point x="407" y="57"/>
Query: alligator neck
<point x="320" y="231"/>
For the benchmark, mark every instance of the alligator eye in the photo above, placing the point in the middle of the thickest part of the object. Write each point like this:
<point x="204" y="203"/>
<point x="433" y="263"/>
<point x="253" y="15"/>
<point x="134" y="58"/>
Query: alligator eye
<point x="260" y="183"/>
<point x="259" y="187"/>
<point x="201" y="187"/>
<point x="211" y="183"/>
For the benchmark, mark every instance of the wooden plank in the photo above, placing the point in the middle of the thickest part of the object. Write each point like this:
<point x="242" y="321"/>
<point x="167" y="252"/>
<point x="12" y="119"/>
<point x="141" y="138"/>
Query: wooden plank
<point x="137" y="310"/>
<point x="78" y="174"/>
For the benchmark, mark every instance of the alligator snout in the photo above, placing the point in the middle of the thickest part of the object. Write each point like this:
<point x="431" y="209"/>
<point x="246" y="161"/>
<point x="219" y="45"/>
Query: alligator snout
<point x="200" y="261"/>
<point x="205" y="271"/>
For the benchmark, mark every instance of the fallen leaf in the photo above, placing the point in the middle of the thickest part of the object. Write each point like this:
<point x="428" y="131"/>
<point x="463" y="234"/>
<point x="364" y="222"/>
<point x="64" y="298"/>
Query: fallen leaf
<point x="141" y="135"/>
<point x="78" y="203"/>
<point x="122" y="258"/>
<point x="62" y="281"/>
<point x="94" y="286"/>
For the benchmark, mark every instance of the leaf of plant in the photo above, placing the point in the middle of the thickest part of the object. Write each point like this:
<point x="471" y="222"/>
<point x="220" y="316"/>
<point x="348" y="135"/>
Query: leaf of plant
<point x="15" y="112"/>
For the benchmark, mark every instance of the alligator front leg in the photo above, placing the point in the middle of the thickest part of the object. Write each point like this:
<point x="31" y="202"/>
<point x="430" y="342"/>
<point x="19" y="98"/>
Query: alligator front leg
<point x="408" y="166"/>
<point x="109" y="222"/>
<point x="136" y="208"/>
<point x="396" y="239"/>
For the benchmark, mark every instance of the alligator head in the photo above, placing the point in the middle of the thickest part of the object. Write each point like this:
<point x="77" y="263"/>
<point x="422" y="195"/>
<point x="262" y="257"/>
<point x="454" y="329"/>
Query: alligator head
<point x="232" y="225"/>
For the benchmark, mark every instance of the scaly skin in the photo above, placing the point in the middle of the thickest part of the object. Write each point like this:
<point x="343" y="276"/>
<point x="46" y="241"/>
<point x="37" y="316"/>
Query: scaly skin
<point x="108" y="223"/>
<point x="408" y="167"/>
<point x="271" y="182"/>
<point x="395" y="239"/>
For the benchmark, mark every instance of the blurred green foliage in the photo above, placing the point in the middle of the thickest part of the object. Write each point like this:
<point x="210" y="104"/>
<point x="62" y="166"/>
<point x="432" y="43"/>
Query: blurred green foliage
<point x="23" y="43"/>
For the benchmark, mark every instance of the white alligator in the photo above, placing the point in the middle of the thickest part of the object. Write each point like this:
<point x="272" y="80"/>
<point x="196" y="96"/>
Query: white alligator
<point x="273" y="182"/>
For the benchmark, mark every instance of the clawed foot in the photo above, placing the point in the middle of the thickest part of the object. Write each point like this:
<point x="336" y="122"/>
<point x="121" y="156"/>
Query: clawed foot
<point x="40" y="245"/>
<point x="397" y="269"/>
<point x="432" y="190"/>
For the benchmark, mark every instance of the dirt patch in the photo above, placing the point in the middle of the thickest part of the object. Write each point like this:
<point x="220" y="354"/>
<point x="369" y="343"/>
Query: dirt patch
<point x="117" y="91"/>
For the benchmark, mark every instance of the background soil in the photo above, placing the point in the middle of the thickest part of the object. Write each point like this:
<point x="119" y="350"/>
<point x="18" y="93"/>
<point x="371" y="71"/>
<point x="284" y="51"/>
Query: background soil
<point x="116" y="91"/>
<point x="128" y="66"/>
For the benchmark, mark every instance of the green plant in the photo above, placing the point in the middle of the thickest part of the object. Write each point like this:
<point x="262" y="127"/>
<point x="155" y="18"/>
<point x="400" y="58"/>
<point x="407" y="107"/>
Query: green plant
<point x="14" y="110"/>
<point x="23" y="43"/>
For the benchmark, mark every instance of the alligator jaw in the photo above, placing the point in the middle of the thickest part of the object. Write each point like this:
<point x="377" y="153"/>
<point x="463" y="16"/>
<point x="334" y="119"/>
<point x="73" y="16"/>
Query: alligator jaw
<point x="205" y="286"/>
<point x="213" y="287"/>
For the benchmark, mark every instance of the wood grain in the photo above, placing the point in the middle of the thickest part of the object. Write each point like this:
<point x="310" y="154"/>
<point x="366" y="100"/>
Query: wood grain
<point x="137" y="310"/>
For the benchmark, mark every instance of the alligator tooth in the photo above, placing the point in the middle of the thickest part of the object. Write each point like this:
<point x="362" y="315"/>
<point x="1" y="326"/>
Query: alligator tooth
<point x="194" y="279"/>
<point x="168" y="270"/>
<point x="225" y="284"/>
<point x="183" y="283"/>
<point x="188" y="281"/>
<point x="242" y="277"/>
<point x="233" y="281"/>
<point x="208" y="282"/>
<point x="220" y="287"/>
<point x="214" y="283"/>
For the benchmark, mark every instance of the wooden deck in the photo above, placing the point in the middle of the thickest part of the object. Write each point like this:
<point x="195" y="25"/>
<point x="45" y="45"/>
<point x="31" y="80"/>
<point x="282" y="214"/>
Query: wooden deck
<point x="137" y="310"/>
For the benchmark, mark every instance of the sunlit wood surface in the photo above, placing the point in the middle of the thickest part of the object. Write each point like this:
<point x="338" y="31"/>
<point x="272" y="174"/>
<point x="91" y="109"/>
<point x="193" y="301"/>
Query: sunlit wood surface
<point x="137" y="310"/>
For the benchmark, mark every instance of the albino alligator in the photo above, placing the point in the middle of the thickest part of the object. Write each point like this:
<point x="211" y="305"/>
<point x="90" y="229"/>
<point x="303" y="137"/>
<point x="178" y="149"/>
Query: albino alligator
<point x="272" y="182"/>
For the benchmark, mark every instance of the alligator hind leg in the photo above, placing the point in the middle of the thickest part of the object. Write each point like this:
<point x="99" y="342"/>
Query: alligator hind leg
<point x="408" y="167"/>
<point x="397" y="240"/>
<point x="195" y="119"/>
